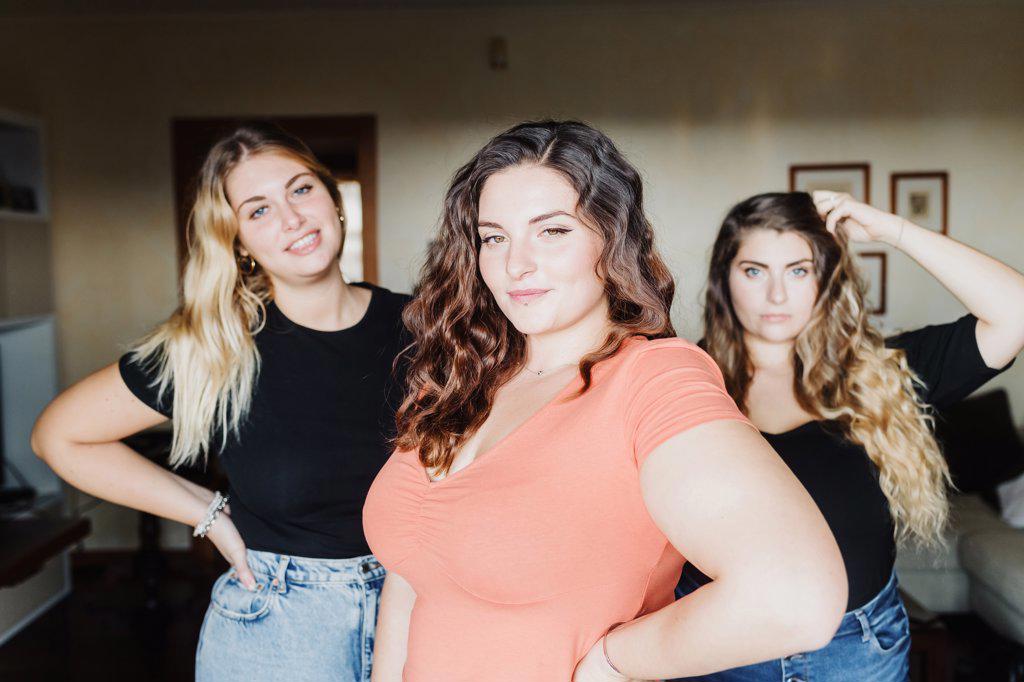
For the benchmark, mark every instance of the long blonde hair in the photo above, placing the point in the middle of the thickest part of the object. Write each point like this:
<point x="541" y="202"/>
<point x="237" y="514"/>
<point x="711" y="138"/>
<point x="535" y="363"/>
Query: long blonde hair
<point x="205" y="352"/>
<point x="843" y="370"/>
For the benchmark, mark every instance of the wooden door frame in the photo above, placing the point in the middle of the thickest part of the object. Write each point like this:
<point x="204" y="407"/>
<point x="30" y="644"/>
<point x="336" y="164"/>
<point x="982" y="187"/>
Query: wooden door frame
<point x="189" y="135"/>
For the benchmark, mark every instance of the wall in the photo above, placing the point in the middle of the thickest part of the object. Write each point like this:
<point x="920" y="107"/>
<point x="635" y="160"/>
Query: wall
<point x="712" y="100"/>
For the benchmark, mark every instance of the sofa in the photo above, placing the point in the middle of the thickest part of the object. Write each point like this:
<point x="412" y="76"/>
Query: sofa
<point x="981" y="566"/>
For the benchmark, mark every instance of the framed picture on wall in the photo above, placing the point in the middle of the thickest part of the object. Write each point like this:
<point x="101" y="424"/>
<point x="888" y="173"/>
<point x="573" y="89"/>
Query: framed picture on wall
<point x="852" y="178"/>
<point x="922" y="198"/>
<point x="874" y="269"/>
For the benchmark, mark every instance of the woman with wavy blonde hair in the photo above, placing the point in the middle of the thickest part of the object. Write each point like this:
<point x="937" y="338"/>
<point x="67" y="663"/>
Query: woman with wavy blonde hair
<point x="848" y="410"/>
<point x="559" y="448"/>
<point x="281" y="368"/>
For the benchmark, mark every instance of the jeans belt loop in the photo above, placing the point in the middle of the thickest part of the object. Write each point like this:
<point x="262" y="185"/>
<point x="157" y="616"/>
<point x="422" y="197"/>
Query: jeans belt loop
<point x="865" y="627"/>
<point x="279" y="583"/>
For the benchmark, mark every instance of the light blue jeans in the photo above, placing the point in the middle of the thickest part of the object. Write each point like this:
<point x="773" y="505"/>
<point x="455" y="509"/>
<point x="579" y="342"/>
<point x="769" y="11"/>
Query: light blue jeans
<point x="871" y="645"/>
<point x="308" y="619"/>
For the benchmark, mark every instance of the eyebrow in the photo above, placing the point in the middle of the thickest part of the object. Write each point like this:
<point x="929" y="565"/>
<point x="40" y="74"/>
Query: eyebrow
<point x="767" y="267"/>
<point x="286" y="186"/>
<point x="538" y="219"/>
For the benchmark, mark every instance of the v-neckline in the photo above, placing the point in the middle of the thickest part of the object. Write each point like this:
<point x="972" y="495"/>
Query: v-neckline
<point x="487" y="454"/>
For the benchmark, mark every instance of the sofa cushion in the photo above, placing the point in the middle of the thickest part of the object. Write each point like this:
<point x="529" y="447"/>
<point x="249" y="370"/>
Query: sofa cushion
<point x="994" y="560"/>
<point x="981" y="443"/>
<point x="968" y="514"/>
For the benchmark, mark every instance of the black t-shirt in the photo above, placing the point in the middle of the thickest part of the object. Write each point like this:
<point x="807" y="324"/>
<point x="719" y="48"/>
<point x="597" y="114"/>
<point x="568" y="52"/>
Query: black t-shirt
<point x="840" y="476"/>
<point x="317" y="431"/>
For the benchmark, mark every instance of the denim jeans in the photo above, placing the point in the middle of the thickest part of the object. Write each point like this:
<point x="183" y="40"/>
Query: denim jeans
<point x="308" y="619"/>
<point x="872" y="644"/>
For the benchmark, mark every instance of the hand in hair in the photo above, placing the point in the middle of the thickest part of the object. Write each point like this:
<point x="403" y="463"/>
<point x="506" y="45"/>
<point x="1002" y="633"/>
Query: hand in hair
<point x="859" y="221"/>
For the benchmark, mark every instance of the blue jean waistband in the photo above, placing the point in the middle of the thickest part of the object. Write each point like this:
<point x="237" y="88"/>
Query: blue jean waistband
<point x="886" y="598"/>
<point x="295" y="569"/>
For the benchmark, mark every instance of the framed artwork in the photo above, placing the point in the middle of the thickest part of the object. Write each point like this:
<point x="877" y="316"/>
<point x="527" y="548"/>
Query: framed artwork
<point x="874" y="269"/>
<point x="922" y="198"/>
<point x="852" y="178"/>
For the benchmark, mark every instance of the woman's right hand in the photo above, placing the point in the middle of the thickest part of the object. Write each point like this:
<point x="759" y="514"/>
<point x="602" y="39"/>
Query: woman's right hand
<point x="228" y="542"/>
<point x="594" y="667"/>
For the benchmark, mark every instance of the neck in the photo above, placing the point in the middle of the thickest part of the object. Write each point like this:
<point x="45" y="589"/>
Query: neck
<point x="325" y="304"/>
<point x="769" y="355"/>
<point x="563" y="347"/>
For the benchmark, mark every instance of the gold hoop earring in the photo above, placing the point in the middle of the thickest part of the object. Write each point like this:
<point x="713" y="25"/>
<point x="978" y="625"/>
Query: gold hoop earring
<point x="247" y="265"/>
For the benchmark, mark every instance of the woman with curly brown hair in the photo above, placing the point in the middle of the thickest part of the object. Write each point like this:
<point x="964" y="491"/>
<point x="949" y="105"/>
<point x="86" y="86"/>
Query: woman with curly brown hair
<point x="846" y="409"/>
<point x="559" y="450"/>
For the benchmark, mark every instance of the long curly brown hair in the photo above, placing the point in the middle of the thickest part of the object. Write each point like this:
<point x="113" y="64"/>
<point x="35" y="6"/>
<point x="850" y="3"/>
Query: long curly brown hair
<point x="464" y="348"/>
<point x="842" y="368"/>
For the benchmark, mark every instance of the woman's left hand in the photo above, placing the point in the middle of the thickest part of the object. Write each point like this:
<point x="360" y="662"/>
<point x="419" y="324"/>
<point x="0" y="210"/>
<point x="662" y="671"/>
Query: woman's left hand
<point x="860" y="222"/>
<point x="594" y="667"/>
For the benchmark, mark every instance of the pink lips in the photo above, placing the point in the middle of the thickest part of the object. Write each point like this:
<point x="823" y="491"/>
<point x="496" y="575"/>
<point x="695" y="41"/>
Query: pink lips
<point x="775" y="318"/>
<point x="527" y="296"/>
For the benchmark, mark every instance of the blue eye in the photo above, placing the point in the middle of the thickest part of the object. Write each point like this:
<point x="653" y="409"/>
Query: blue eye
<point x="258" y="213"/>
<point x="800" y="272"/>
<point x="752" y="272"/>
<point x="305" y="189"/>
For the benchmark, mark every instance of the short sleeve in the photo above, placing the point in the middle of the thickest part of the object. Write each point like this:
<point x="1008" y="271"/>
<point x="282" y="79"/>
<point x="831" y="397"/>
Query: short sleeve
<point x="674" y="386"/>
<point x="141" y="380"/>
<point x="946" y="358"/>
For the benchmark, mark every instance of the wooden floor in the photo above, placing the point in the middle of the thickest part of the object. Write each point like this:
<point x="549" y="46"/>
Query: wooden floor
<point x="106" y="631"/>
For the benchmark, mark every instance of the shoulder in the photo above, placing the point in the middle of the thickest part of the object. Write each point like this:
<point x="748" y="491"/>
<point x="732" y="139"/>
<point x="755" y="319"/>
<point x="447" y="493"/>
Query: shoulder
<point x="641" y="355"/>
<point x="933" y="334"/>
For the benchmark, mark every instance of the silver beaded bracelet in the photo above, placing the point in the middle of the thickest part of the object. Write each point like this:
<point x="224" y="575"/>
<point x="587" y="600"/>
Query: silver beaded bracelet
<point x="215" y="508"/>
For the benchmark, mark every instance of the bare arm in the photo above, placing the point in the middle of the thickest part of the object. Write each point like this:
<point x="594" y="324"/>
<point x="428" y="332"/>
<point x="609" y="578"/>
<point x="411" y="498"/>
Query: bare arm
<point x="389" y="649"/>
<point x="79" y="434"/>
<point x="991" y="291"/>
<point x="729" y="504"/>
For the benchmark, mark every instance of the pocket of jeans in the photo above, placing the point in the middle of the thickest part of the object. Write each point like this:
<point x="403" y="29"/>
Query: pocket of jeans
<point x="232" y="600"/>
<point x="890" y="628"/>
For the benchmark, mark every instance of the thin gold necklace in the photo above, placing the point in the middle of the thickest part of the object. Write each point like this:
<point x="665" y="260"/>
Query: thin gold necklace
<point x="541" y="372"/>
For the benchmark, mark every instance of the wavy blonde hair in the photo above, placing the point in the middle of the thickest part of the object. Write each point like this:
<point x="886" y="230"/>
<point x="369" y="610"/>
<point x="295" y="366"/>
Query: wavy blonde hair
<point x="205" y="353"/>
<point x="843" y="370"/>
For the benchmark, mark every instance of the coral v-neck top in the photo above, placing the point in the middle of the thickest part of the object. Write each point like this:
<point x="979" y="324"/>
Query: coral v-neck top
<point x="524" y="558"/>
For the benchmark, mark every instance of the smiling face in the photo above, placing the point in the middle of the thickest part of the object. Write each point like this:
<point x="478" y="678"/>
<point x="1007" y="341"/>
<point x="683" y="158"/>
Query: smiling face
<point x="287" y="220"/>
<point x="537" y="257"/>
<point x="773" y="285"/>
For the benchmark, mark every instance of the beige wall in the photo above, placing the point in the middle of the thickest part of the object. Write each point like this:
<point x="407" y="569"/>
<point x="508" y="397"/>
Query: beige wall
<point x="26" y="277"/>
<point x="712" y="100"/>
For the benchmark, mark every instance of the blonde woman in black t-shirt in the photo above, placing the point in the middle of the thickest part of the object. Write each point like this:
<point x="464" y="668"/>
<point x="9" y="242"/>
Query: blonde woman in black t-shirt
<point x="848" y="410"/>
<point x="282" y="369"/>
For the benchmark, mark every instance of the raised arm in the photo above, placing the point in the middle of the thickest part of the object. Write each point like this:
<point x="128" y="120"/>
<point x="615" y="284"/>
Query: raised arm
<point x="79" y="435"/>
<point x="728" y="503"/>
<point x="390" y="643"/>
<point x="992" y="291"/>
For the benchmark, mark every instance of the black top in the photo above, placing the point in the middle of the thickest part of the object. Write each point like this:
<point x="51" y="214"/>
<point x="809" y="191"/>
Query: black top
<point x="317" y="431"/>
<point x="840" y="476"/>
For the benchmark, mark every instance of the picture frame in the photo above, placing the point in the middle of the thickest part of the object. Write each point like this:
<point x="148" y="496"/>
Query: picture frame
<point x="874" y="268"/>
<point x="851" y="178"/>
<point x="922" y="197"/>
